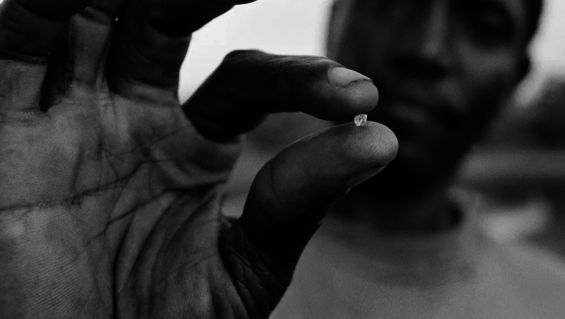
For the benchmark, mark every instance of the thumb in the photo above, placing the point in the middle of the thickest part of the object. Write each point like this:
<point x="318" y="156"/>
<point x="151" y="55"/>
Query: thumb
<point x="287" y="202"/>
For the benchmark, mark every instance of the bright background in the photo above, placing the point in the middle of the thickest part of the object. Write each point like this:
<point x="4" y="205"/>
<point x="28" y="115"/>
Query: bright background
<point x="297" y="27"/>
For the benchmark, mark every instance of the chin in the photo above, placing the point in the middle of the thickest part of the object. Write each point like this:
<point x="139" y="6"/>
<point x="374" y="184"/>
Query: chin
<point x="397" y="181"/>
<point x="409" y="176"/>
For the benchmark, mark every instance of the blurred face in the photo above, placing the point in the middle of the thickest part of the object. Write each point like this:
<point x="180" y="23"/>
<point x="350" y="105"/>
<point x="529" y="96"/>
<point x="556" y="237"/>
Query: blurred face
<point x="442" y="67"/>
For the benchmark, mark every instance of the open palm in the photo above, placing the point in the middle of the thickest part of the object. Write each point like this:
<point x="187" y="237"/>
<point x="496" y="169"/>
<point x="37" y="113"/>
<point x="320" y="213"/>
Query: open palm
<point x="110" y="191"/>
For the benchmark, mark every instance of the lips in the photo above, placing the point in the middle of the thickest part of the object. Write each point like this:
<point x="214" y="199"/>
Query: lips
<point x="417" y="121"/>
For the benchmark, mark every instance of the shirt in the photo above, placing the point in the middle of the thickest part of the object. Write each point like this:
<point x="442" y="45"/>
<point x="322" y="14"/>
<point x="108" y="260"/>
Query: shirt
<point x="349" y="271"/>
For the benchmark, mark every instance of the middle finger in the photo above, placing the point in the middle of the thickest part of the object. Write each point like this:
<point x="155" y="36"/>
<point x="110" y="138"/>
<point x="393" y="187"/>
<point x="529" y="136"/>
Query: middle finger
<point x="152" y="40"/>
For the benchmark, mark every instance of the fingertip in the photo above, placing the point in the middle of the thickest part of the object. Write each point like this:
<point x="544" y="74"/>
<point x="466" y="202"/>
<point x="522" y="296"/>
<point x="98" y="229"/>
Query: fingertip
<point x="371" y="145"/>
<point x="384" y="142"/>
<point x="354" y="86"/>
<point x="343" y="77"/>
<point x="363" y="96"/>
<point x="343" y="93"/>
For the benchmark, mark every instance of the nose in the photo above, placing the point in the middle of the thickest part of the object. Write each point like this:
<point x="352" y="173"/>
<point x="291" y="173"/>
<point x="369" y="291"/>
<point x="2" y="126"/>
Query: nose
<point x="422" y="46"/>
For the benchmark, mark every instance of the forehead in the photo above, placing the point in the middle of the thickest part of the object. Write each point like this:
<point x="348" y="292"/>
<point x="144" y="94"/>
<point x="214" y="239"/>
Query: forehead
<point x="517" y="9"/>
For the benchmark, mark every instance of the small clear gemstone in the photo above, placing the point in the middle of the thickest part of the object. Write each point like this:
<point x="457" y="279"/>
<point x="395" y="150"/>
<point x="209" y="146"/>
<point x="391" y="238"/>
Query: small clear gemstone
<point x="360" y="120"/>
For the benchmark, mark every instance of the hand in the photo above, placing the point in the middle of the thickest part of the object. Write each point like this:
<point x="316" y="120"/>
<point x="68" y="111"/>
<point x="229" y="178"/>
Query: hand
<point x="110" y="194"/>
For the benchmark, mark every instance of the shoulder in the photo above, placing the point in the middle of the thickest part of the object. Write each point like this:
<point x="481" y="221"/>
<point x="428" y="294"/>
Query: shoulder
<point x="531" y="278"/>
<point x="534" y="264"/>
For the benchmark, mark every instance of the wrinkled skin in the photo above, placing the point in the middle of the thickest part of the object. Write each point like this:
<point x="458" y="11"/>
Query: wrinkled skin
<point x="110" y="191"/>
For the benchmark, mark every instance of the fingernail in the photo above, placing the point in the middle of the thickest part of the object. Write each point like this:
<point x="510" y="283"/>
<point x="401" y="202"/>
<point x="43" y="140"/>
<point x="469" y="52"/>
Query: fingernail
<point x="362" y="176"/>
<point x="342" y="77"/>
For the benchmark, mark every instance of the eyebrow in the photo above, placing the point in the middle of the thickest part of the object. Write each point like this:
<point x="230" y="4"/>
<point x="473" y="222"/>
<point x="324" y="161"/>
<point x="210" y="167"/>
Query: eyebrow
<point x="503" y="8"/>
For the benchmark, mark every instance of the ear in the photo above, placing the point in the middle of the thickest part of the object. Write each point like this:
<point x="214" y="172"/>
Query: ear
<point x="523" y="69"/>
<point x="336" y="23"/>
<point x="330" y="31"/>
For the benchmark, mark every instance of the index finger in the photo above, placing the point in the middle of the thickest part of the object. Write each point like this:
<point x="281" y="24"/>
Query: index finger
<point x="248" y="85"/>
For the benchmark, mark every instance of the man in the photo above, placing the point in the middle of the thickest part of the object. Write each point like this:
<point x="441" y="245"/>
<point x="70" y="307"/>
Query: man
<point x="405" y="244"/>
<point x="110" y="190"/>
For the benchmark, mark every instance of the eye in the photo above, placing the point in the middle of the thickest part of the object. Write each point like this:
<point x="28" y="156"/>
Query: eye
<point x="377" y="6"/>
<point x="384" y="4"/>
<point x="487" y="22"/>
